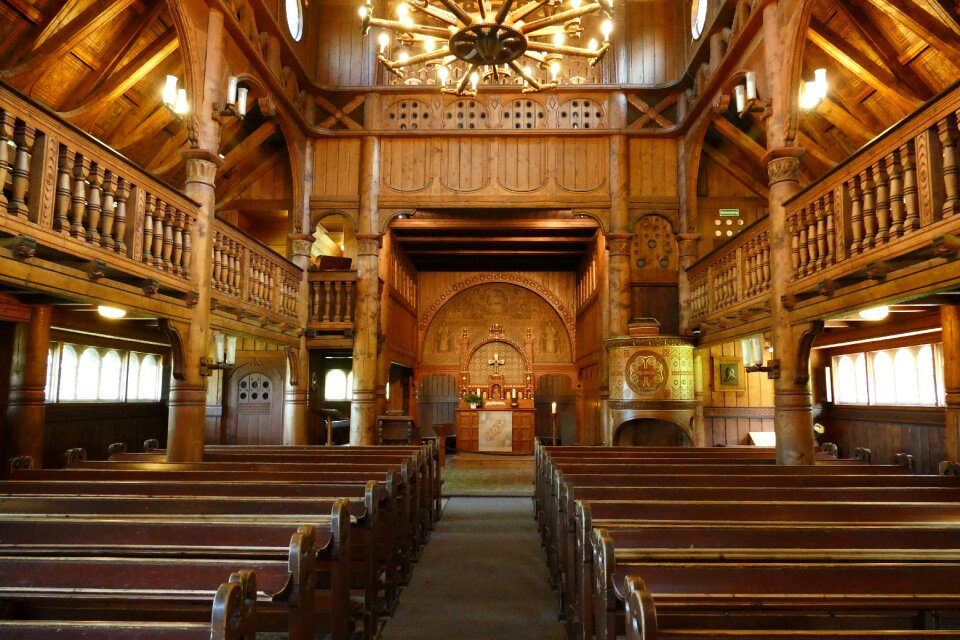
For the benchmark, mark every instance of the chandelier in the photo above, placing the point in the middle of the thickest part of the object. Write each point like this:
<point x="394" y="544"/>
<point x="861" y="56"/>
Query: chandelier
<point x="457" y="44"/>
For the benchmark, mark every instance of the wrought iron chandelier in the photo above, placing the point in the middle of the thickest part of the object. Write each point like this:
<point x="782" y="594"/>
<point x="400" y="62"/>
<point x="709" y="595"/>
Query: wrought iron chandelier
<point x="456" y="45"/>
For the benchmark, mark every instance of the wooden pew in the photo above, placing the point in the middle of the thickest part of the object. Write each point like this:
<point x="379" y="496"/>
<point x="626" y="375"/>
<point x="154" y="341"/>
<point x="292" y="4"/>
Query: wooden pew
<point x="825" y="596"/>
<point x="232" y="618"/>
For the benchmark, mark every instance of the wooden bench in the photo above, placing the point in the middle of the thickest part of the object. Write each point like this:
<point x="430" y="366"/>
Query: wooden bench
<point x="232" y="618"/>
<point x="777" y="595"/>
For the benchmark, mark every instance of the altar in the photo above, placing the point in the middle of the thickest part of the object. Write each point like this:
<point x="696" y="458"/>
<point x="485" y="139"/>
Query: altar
<point x="506" y="430"/>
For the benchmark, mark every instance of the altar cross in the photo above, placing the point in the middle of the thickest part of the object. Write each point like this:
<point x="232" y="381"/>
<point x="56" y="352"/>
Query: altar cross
<point x="496" y="363"/>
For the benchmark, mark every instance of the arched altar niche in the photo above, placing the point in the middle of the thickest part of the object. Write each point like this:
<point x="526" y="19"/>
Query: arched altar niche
<point x="498" y="368"/>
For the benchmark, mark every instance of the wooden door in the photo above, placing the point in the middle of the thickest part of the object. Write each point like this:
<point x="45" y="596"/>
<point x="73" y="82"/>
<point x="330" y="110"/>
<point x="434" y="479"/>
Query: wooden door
<point x="254" y="410"/>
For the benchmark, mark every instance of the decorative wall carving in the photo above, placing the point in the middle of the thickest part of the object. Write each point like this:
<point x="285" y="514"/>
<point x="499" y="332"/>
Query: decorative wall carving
<point x="653" y="247"/>
<point x="517" y="309"/>
<point x="650" y="368"/>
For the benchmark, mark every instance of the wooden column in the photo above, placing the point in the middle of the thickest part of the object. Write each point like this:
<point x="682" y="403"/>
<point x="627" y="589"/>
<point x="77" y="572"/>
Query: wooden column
<point x="296" y="397"/>
<point x="188" y="390"/>
<point x="26" y="409"/>
<point x="363" y="430"/>
<point x="950" y="324"/>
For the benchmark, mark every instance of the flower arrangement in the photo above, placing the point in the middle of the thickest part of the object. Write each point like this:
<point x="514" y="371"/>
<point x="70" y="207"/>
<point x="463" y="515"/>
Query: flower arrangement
<point x="473" y="399"/>
<point x="818" y="431"/>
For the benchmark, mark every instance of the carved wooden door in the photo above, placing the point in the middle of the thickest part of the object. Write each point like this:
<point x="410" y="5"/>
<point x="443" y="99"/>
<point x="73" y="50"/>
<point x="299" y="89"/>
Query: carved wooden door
<point x="255" y="405"/>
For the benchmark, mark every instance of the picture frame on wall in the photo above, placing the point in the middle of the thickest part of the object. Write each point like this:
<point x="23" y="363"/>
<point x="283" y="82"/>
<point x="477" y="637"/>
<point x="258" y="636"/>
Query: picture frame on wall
<point x="728" y="374"/>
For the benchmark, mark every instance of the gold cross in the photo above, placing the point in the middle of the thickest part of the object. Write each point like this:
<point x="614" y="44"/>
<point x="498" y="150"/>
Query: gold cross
<point x="496" y="363"/>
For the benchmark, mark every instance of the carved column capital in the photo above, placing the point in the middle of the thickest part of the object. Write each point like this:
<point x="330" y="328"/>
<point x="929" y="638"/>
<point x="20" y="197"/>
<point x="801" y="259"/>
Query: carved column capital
<point x="687" y="244"/>
<point x="300" y="247"/>
<point x="368" y="244"/>
<point x="783" y="164"/>
<point x="618" y="244"/>
<point x="201" y="166"/>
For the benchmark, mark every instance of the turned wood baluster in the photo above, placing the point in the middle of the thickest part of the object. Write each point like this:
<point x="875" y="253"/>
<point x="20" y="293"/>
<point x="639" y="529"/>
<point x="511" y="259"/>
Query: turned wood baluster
<point x="868" y="187"/>
<point x="61" y="208"/>
<point x="794" y="245"/>
<point x="120" y="216"/>
<point x="168" y="222"/>
<point x="751" y="268"/>
<point x="813" y="255"/>
<point x="803" y="241"/>
<point x="6" y="135"/>
<point x="187" y="254"/>
<point x="148" y="215"/>
<point x="215" y="272"/>
<point x="315" y="301"/>
<point x="911" y="201"/>
<point x="177" y="257"/>
<point x="108" y="211"/>
<point x="830" y="229"/>
<point x="157" y="250"/>
<point x="348" y="305"/>
<point x="94" y="206"/>
<point x="236" y="262"/>
<point x="766" y="261"/>
<point x="255" y="282"/>
<point x="327" y="306"/>
<point x="947" y="130"/>
<point x="821" y="233"/>
<point x="895" y="173"/>
<point x="856" y="214"/>
<point x="81" y="168"/>
<point x="883" y="201"/>
<point x="23" y="137"/>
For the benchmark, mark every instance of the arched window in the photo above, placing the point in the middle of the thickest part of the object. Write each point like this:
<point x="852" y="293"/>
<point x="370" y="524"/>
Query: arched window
<point x="111" y="369"/>
<point x="68" y="373"/>
<point x="133" y="375"/>
<point x="88" y="375"/>
<point x="905" y="370"/>
<point x="884" y="384"/>
<point x="926" y="376"/>
<point x="844" y="387"/>
<point x="860" y="370"/>
<point x="148" y="383"/>
<point x="335" y="385"/>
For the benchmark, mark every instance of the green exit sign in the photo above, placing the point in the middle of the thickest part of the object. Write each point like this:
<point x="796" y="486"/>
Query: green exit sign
<point x="729" y="213"/>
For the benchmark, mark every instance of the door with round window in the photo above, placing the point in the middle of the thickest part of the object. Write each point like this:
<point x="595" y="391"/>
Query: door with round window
<point x="254" y="407"/>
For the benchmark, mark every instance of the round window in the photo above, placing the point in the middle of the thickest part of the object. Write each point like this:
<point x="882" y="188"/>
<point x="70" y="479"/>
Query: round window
<point x="698" y="17"/>
<point x="294" y="10"/>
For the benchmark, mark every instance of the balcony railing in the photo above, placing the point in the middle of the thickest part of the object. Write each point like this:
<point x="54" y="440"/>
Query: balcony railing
<point x="733" y="278"/>
<point x="894" y="196"/>
<point x="251" y="279"/>
<point x="332" y="301"/>
<point x="83" y="203"/>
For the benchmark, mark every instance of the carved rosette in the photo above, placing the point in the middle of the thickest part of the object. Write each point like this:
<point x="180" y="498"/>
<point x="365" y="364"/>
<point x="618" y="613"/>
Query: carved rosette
<point x="644" y="368"/>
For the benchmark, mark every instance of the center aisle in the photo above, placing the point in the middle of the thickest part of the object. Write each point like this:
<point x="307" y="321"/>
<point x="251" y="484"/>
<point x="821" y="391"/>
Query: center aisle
<point x="482" y="576"/>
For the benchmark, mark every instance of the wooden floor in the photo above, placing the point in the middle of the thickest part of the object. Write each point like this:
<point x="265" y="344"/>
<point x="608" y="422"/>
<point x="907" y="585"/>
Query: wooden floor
<point x="473" y="474"/>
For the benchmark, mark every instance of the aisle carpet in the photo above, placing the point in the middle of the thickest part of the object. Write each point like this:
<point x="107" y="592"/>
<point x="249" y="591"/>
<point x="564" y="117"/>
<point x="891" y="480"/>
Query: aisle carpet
<point x="469" y="474"/>
<point x="481" y="576"/>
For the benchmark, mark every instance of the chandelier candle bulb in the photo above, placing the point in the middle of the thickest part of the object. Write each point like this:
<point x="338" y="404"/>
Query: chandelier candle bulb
<point x="219" y="347"/>
<point x="231" y="350"/>
<point x="739" y="95"/>
<point x="181" y="106"/>
<point x="170" y="90"/>
<point x="820" y="80"/>
<point x="553" y="408"/>
<point x="383" y="40"/>
<point x="242" y="101"/>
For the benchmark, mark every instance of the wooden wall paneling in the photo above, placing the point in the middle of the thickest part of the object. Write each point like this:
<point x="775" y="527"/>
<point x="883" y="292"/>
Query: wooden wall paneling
<point x="925" y="442"/>
<point x="406" y="163"/>
<point x="95" y="426"/>
<point x="466" y="163"/>
<point x="438" y="400"/>
<point x="6" y="361"/>
<point x="652" y="48"/>
<point x="582" y="164"/>
<point x="336" y="168"/>
<point x="653" y="167"/>
<point x="342" y="52"/>
<point x="521" y="164"/>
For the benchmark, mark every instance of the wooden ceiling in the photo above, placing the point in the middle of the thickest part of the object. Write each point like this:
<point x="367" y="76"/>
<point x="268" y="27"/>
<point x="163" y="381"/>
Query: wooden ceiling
<point x="472" y="243"/>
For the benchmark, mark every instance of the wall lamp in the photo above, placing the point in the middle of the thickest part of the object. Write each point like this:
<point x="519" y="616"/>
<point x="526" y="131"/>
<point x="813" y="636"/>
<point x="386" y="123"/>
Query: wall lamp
<point x="175" y="98"/>
<point x="225" y="354"/>
<point x="812" y="92"/>
<point x="752" y="353"/>
<point x="745" y="95"/>
<point x="235" y="104"/>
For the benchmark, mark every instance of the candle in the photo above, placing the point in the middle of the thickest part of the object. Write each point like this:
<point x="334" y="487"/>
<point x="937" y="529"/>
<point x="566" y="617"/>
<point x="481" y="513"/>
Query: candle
<point x="513" y="393"/>
<point x="553" y="407"/>
<point x="478" y="390"/>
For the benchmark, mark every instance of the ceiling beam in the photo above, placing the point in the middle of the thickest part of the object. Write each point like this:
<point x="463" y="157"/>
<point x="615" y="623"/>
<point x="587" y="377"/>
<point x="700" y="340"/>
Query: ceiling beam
<point x="137" y="69"/>
<point x="861" y="66"/>
<point x="168" y="157"/>
<point x="26" y="10"/>
<point x="233" y="187"/>
<point x="247" y="145"/>
<point x="739" y="139"/>
<point x="860" y="20"/>
<point x="930" y="29"/>
<point x="815" y="152"/>
<point x="843" y="120"/>
<point x="736" y="171"/>
<point x="148" y="126"/>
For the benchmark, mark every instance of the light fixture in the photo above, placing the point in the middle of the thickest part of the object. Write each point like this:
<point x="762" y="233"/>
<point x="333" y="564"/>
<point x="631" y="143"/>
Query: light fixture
<point x="462" y="46"/>
<point x="235" y="103"/>
<point x="174" y="98"/>
<point x="752" y="353"/>
<point x="745" y="95"/>
<point x="111" y="312"/>
<point x="225" y="354"/>
<point x="812" y="92"/>
<point x="875" y="313"/>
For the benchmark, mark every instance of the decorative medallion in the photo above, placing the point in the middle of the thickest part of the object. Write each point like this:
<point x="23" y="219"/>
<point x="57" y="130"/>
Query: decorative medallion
<point x="646" y="372"/>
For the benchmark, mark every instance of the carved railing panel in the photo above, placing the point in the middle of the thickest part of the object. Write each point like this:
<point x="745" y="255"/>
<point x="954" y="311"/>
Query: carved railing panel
<point x="733" y="278"/>
<point x="252" y="280"/>
<point x="898" y="192"/>
<point x="332" y="300"/>
<point x="84" y="202"/>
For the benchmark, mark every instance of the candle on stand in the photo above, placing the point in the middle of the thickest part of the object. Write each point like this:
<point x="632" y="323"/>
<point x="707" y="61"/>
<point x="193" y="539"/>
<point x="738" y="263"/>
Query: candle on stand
<point x="553" y="407"/>
<point x="478" y="390"/>
<point x="513" y="393"/>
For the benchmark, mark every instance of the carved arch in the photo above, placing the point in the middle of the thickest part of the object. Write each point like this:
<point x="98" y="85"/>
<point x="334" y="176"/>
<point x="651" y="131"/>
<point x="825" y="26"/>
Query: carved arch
<point x="172" y="330"/>
<point x="513" y="343"/>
